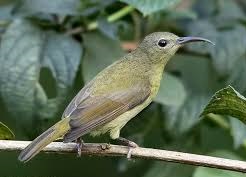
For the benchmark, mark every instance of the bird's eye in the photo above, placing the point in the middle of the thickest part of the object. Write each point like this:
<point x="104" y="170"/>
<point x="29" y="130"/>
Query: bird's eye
<point x="162" y="43"/>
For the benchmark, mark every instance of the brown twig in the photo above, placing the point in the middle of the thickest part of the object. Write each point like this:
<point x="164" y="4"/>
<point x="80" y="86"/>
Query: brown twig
<point x="143" y="153"/>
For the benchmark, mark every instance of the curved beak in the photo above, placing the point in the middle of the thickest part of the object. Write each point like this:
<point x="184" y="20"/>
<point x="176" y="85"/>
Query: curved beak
<point x="184" y="40"/>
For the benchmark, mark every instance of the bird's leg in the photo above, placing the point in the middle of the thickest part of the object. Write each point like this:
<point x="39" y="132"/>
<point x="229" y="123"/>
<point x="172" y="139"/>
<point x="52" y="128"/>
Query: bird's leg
<point x="128" y="143"/>
<point x="79" y="144"/>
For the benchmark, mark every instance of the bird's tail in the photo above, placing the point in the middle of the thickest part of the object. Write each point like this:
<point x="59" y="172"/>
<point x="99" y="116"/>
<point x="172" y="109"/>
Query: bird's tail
<point x="53" y="133"/>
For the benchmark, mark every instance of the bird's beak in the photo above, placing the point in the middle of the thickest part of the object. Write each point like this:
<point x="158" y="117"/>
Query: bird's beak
<point x="184" y="40"/>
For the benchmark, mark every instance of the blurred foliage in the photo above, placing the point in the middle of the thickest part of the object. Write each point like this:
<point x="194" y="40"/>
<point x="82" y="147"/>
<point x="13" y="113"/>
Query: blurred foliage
<point x="49" y="49"/>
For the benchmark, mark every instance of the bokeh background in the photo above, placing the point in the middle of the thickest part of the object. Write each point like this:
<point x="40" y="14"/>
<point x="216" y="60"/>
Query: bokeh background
<point x="50" y="48"/>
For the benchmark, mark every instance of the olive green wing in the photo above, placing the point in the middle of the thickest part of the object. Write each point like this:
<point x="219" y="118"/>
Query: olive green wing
<point x="87" y="112"/>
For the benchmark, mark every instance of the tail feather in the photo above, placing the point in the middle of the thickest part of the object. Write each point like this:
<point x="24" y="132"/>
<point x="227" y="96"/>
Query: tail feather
<point x="54" y="132"/>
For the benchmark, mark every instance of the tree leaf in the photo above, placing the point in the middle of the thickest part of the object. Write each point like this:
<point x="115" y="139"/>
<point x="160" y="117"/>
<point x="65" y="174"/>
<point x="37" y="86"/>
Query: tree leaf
<point x="224" y="54"/>
<point x="182" y="119"/>
<point x="238" y="132"/>
<point x="100" y="52"/>
<point x="237" y="76"/>
<point x="196" y="73"/>
<point x="224" y="18"/>
<point x="227" y="101"/>
<point x="61" y="7"/>
<point x="210" y="9"/>
<point x="5" y="132"/>
<point x="160" y="169"/>
<point x="25" y="51"/>
<point x="147" y="6"/>
<point x="188" y="115"/>
<point x="199" y="78"/>
<point x="213" y="172"/>
<point x="171" y="92"/>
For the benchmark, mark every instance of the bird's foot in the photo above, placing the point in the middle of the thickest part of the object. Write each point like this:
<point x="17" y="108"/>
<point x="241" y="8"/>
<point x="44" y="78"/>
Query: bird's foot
<point x="79" y="145"/>
<point x="128" y="143"/>
<point x="105" y="146"/>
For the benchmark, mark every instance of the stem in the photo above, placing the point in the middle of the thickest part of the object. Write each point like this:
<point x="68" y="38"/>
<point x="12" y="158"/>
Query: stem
<point x="218" y="119"/>
<point x="138" y="152"/>
<point x="113" y="17"/>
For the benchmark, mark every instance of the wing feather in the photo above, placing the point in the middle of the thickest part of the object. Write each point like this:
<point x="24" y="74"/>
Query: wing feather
<point x="89" y="112"/>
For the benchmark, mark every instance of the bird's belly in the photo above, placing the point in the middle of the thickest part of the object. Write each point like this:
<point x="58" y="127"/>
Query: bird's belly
<point x="115" y="125"/>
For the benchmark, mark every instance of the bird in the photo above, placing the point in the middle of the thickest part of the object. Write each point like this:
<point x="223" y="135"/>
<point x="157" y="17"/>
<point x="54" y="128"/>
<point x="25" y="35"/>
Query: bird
<point x="115" y="95"/>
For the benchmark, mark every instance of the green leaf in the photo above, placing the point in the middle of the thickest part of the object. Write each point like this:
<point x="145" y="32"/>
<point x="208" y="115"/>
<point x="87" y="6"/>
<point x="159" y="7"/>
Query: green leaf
<point x="238" y="132"/>
<point x="227" y="101"/>
<point x="224" y="54"/>
<point x="225" y="6"/>
<point x="188" y="115"/>
<point x="210" y="10"/>
<point x="171" y="92"/>
<point x="199" y="78"/>
<point x="196" y="73"/>
<point x="147" y="6"/>
<point x="61" y="7"/>
<point x="213" y="172"/>
<point x="26" y="51"/>
<point x="5" y="132"/>
<point x="160" y="169"/>
<point x="237" y="77"/>
<point x="100" y="52"/>
<point x="182" y="119"/>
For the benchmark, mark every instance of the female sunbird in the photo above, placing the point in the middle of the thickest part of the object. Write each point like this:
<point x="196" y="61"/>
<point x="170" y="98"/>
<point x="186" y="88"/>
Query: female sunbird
<point x="116" y="95"/>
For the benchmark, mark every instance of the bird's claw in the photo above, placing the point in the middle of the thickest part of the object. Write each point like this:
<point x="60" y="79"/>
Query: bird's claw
<point x="131" y="146"/>
<point x="79" y="145"/>
<point x="105" y="146"/>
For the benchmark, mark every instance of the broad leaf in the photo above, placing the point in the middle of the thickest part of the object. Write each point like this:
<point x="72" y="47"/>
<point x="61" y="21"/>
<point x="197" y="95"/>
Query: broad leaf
<point x="199" y="78"/>
<point x="62" y="7"/>
<point x="213" y="172"/>
<point x="195" y="72"/>
<point x="224" y="55"/>
<point x="100" y="52"/>
<point x="171" y="92"/>
<point x="224" y="18"/>
<point x="148" y="6"/>
<point x="5" y="132"/>
<point x="237" y="77"/>
<point x="182" y="119"/>
<point x="188" y="115"/>
<point x="238" y="132"/>
<point x="210" y="9"/>
<point x="25" y="52"/>
<point x="227" y="101"/>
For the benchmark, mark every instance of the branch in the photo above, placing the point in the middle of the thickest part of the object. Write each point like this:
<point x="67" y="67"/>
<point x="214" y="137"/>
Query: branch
<point x="142" y="153"/>
<point x="111" y="18"/>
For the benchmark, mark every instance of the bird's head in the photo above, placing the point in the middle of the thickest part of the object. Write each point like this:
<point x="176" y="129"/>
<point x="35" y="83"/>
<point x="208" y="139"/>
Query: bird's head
<point x="163" y="45"/>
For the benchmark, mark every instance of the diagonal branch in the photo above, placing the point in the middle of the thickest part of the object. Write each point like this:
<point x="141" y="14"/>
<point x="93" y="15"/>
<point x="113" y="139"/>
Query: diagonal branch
<point x="142" y="153"/>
